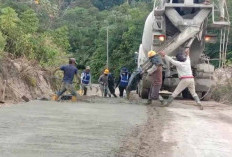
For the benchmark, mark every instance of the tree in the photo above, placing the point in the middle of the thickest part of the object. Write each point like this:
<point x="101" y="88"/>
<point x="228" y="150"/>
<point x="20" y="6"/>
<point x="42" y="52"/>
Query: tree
<point x="82" y="33"/>
<point x="106" y="4"/>
<point x="60" y="37"/>
<point x="8" y="20"/>
<point x="125" y="34"/>
<point x="29" y="22"/>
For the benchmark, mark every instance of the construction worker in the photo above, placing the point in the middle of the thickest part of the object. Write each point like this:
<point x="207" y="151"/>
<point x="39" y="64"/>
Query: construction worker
<point x="111" y="84"/>
<point x="103" y="81"/>
<point x="123" y="81"/>
<point x="70" y="71"/>
<point x="86" y="80"/>
<point x="183" y="66"/>
<point x="155" y="72"/>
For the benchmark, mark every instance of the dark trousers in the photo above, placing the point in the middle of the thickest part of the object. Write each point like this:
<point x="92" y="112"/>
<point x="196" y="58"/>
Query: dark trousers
<point x="85" y="90"/>
<point x="121" y="90"/>
<point x="112" y="91"/>
<point x="154" y="92"/>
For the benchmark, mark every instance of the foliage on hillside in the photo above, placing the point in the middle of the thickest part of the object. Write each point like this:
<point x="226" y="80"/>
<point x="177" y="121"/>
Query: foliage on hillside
<point x="51" y="30"/>
<point x="19" y="35"/>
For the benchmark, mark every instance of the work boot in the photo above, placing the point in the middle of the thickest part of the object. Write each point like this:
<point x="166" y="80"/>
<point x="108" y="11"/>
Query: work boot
<point x="149" y="102"/>
<point x="169" y="101"/>
<point x="55" y="97"/>
<point x="198" y="102"/>
<point x="74" y="99"/>
<point x="161" y="99"/>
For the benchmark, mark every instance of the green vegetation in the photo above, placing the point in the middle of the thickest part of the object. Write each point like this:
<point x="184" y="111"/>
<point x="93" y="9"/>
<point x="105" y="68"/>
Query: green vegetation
<point x="54" y="29"/>
<point x="2" y="43"/>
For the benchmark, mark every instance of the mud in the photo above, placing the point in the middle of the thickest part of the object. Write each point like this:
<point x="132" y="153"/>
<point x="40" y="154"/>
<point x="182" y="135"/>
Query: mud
<point x="182" y="130"/>
<point x="146" y="140"/>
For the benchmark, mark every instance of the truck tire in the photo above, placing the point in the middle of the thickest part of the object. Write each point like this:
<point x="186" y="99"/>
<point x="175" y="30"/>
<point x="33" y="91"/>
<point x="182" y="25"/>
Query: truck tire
<point x="144" y="93"/>
<point x="143" y="90"/>
<point x="186" y="94"/>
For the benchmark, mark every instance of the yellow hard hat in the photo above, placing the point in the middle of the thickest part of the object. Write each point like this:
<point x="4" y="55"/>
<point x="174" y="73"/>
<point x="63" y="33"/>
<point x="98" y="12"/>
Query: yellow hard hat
<point x="106" y="71"/>
<point x="151" y="54"/>
<point x="36" y="1"/>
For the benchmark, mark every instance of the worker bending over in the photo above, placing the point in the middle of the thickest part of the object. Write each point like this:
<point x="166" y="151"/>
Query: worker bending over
<point x="70" y="71"/>
<point x="103" y="81"/>
<point x="86" y="80"/>
<point x="183" y="66"/>
<point x="123" y="81"/>
<point x="155" y="72"/>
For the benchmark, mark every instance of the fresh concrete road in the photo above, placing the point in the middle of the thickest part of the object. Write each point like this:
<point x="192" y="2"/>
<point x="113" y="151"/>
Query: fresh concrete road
<point x="115" y="127"/>
<point x="51" y="129"/>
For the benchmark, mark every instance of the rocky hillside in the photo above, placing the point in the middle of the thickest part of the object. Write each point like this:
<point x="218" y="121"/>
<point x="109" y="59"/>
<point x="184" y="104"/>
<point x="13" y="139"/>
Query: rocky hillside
<point x="222" y="92"/>
<point x="27" y="77"/>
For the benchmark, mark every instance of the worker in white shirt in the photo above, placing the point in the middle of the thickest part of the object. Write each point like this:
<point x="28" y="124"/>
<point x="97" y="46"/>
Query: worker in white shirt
<point x="183" y="66"/>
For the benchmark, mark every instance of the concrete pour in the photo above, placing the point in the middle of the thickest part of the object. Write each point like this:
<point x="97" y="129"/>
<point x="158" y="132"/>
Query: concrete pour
<point x="47" y="129"/>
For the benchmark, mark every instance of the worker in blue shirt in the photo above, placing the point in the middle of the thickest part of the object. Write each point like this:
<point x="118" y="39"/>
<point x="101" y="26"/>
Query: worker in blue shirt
<point x="123" y="80"/>
<point x="70" y="71"/>
<point x="86" y="80"/>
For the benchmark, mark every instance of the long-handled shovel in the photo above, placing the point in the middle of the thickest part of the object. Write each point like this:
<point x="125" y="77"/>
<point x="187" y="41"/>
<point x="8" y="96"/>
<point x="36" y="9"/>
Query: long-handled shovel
<point x="22" y="96"/>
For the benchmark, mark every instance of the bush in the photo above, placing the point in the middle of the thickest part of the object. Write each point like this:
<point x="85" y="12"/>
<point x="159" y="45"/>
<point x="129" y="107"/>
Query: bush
<point x="2" y="43"/>
<point x="30" y="80"/>
<point x="47" y="52"/>
<point x="223" y="92"/>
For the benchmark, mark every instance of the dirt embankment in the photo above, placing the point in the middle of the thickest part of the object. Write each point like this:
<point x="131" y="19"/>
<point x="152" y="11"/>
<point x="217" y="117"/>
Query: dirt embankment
<point x="223" y="89"/>
<point x="27" y="77"/>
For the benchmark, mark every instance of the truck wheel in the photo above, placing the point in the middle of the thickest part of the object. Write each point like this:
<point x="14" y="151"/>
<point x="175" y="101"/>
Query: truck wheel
<point x="144" y="93"/>
<point x="186" y="94"/>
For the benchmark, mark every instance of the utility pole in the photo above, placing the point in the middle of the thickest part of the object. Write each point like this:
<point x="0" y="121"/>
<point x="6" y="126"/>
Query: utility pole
<point x="107" y="51"/>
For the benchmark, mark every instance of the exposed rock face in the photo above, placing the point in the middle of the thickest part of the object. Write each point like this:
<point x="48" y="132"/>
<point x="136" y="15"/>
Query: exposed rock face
<point x="27" y="77"/>
<point x="223" y="75"/>
<point x="223" y="89"/>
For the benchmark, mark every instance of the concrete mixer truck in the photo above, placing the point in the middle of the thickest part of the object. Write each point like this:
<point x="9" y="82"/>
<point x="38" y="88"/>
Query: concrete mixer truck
<point x="171" y="26"/>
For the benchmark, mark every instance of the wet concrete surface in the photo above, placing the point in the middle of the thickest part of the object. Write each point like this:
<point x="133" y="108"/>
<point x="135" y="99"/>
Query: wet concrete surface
<point x="103" y="127"/>
<point x="53" y="129"/>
